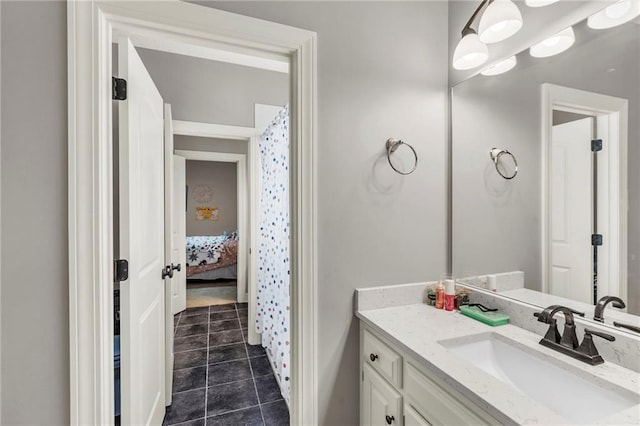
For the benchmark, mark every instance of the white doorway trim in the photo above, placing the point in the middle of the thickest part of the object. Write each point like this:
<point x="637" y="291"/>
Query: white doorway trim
<point x="91" y="25"/>
<point x="612" y="120"/>
<point x="209" y="130"/>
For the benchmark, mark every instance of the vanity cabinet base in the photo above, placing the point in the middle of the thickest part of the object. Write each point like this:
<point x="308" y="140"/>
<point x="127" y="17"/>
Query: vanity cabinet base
<point x="418" y="399"/>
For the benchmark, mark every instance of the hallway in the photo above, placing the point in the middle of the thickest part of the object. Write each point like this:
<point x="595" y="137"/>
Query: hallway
<point x="218" y="378"/>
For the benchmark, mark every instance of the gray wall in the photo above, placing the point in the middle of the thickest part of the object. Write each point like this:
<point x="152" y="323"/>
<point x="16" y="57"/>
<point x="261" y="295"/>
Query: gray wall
<point x="382" y="72"/>
<point x="35" y="319"/>
<point x="213" y="92"/>
<point x="504" y="111"/>
<point x="222" y="179"/>
<point x="538" y="23"/>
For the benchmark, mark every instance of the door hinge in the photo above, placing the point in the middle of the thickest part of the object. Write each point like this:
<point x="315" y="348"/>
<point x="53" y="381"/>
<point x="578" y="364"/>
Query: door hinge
<point x="118" y="89"/>
<point x="596" y="239"/>
<point x="121" y="269"/>
<point x="596" y="145"/>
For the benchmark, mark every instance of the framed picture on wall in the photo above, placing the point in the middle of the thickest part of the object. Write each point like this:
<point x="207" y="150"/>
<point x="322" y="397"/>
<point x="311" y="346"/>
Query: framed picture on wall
<point x="207" y="213"/>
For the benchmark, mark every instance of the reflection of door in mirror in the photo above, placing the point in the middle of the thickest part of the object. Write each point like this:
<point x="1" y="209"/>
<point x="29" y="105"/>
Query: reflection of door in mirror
<point x="585" y="195"/>
<point x="572" y="209"/>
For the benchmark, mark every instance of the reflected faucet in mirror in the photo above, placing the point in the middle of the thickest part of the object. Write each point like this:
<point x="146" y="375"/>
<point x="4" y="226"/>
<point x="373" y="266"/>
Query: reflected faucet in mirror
<point x="616" y="302"/>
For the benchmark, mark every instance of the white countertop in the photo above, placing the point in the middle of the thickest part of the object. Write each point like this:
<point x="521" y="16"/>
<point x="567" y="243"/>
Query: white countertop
<point x="416" y="330"/>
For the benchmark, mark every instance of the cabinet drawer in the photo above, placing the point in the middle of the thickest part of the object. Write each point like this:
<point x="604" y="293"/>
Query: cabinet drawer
<point x="382" y="358"/>
<point x="435" y="404"/>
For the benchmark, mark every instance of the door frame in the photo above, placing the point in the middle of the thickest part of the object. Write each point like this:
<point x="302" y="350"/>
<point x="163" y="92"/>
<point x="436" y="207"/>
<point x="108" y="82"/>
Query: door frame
<point x="251" y="194"/>
<point x="612" y="116"/>
<point x="242" y="191"/>
<point x="91" y="26"/>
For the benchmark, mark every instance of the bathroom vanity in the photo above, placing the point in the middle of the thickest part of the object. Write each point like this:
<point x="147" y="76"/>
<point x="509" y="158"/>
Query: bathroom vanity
<point x="424" y="366"/>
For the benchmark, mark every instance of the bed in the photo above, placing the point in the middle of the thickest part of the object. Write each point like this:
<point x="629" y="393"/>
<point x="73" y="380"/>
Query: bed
<point x="212" y="257"/>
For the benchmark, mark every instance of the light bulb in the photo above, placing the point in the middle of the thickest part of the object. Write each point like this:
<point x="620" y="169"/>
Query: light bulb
<point x="553" y="45"/>
<point x="616" y="14"/>
<point x="498" y="27"/>
<point x="500" y="67"/>
<point x="550" y="42"/>
<point x="618" y="10"/>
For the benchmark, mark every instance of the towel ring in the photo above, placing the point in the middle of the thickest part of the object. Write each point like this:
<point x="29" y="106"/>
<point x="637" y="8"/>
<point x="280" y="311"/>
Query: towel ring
<point x="392" y="146"/>
<point x="495" y="154"/>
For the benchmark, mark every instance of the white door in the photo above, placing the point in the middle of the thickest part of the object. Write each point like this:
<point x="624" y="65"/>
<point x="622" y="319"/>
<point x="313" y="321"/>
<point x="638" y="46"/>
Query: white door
<point x="572" y="210"/>
<point x="179" y="234"/>
<point x="142" y="296"/>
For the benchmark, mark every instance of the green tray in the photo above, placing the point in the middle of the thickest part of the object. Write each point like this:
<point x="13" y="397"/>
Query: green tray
<point x="492" y="318"/>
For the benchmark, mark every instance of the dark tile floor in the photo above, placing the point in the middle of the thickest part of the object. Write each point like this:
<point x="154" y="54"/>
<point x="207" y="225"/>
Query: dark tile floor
<point x="218" y="378"/>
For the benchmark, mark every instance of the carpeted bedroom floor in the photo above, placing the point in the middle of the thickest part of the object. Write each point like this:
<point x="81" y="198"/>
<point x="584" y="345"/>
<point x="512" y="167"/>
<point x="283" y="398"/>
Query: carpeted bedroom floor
<point x="207" y="294"/>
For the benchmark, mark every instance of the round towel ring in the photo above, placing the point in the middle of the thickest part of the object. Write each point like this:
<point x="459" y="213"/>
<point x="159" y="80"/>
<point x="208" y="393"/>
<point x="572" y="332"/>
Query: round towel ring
<point x="392" y="146"/>
<point x="495" y="155"/>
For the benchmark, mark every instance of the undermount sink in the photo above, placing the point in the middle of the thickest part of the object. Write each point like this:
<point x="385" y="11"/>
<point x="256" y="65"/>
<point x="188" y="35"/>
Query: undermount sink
<point x="569" y="394"/>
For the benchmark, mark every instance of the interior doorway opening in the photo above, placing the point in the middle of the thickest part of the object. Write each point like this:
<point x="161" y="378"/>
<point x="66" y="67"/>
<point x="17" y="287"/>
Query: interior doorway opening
<point x="211" y="233"/>
<point x="90" y="184"/>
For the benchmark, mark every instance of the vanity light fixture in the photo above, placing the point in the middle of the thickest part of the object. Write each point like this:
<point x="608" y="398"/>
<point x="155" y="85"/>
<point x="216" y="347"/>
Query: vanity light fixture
<point x="500" y="67"/>
<point x="470" y="52"/>
<point x="616" y="14"/>
<point x="500" y="20"/>
<point x="553" y="45"/>
<point x="539" y="3"/>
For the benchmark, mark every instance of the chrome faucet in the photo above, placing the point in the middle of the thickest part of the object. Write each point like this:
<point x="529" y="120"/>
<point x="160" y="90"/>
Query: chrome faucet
<point x="616" y="302"/>
<point x="568" y="342"/>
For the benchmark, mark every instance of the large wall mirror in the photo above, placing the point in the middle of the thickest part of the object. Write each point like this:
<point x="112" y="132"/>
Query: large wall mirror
<point x="545" y="167"/>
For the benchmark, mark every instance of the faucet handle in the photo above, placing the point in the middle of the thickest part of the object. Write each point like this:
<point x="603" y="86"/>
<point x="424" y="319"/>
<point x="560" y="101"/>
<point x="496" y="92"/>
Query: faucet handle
<point x="605" y="336"/>
<point x="542" y="316"/>
<point x="588" y="348"/>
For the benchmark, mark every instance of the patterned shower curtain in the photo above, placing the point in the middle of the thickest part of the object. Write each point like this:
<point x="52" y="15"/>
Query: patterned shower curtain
<point x="272" y="319"/>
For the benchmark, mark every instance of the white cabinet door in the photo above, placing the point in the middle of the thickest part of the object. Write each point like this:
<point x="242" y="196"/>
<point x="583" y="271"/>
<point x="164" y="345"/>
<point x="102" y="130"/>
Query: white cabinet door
<point x="142" y="296"/>
<point x="413" y="418"/>
<point x="381" y="403"/>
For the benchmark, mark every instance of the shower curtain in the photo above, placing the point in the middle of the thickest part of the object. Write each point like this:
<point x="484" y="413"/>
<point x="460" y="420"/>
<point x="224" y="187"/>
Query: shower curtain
<point x="272" y="319"/>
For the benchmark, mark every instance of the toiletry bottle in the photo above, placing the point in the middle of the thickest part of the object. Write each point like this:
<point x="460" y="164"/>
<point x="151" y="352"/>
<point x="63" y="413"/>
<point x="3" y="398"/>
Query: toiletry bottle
<point x="431" y="297"/>
<point x="492" y="282"/>
<point x="440" y="295"/>
<point x="449" y="295"/>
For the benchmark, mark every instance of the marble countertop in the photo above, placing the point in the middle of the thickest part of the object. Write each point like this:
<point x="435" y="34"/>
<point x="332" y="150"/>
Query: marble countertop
<point x="416" y="330"/>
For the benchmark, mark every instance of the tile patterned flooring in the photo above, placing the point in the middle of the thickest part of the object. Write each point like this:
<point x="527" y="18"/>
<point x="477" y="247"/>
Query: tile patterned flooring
<point x="218" y="378"/>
